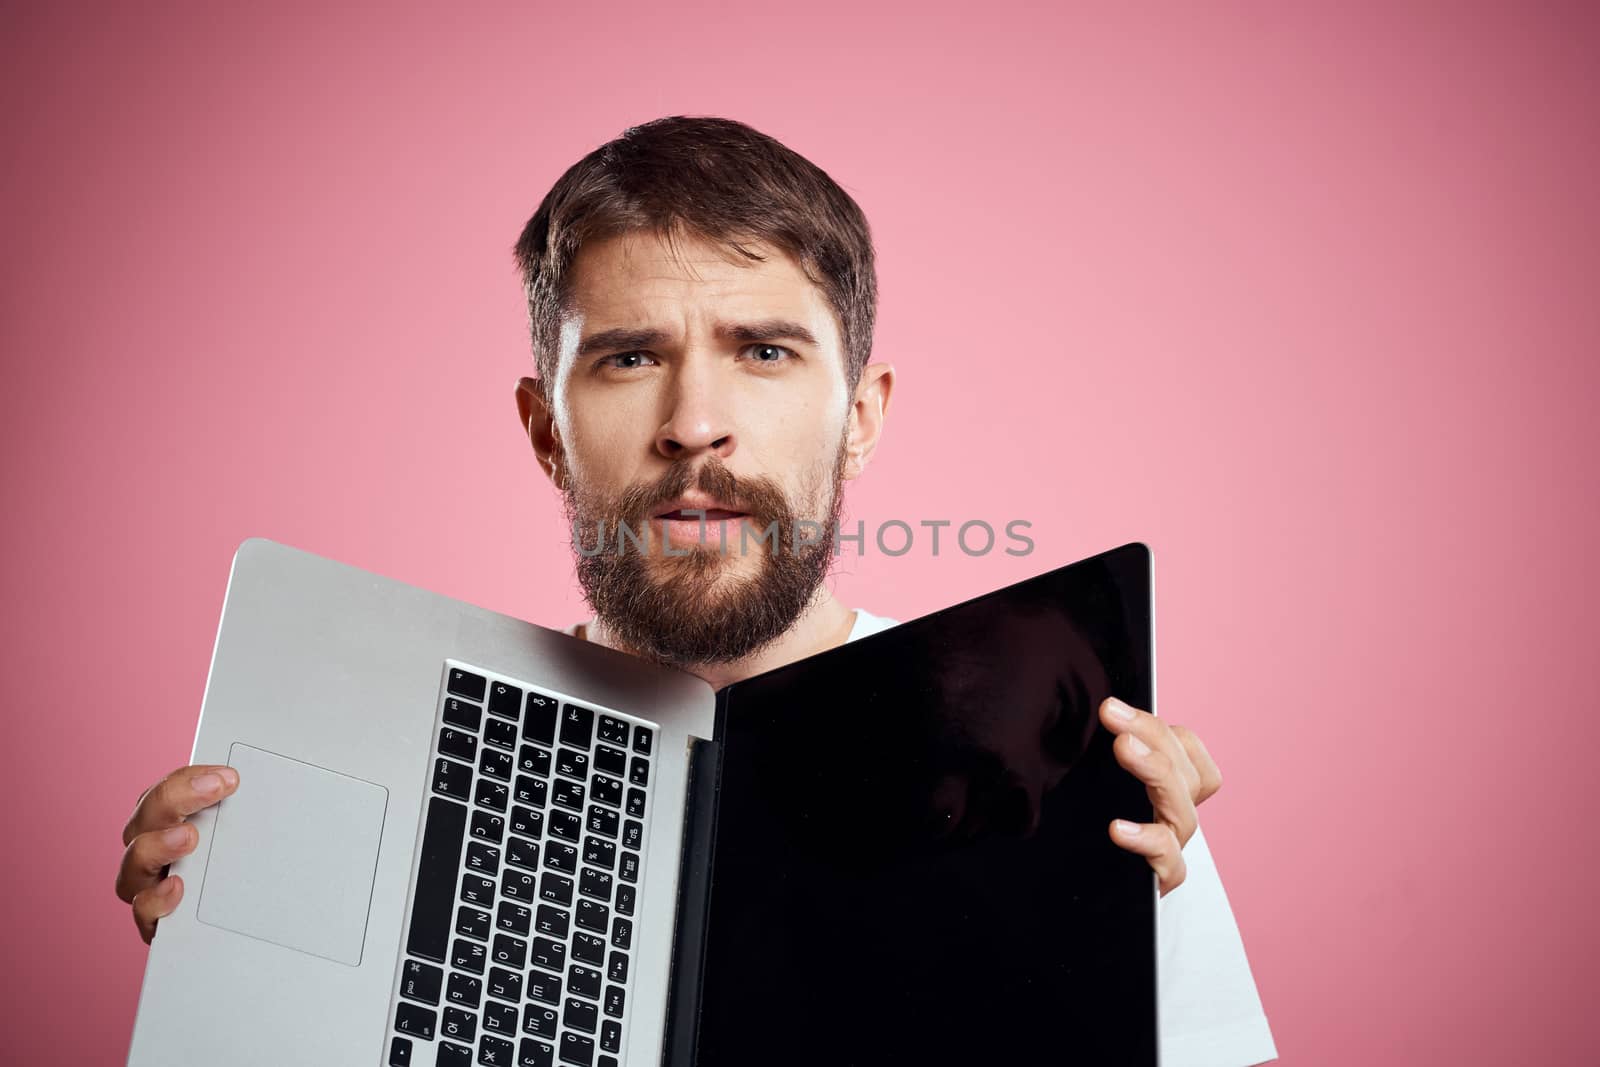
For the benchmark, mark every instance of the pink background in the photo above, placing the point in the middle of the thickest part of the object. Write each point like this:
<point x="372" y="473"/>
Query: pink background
<point x="1302" y="297"/>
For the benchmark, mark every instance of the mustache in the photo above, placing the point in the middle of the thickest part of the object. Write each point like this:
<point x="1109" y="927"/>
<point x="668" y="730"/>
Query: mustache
<point x="760" y="497"/>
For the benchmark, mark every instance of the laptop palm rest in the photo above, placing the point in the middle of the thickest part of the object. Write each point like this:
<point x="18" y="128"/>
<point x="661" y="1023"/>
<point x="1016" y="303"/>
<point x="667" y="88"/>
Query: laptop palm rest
<point x="293" y="856"/>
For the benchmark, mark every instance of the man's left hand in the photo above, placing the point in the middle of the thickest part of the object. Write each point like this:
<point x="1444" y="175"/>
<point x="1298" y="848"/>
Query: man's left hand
<point x="1177" y="772"/>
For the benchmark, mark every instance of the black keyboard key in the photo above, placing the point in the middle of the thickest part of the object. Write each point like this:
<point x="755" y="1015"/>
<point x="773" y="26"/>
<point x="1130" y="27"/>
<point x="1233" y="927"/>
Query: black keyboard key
<point x="453" y="1056"/>
<point x="483" y="859"/>
<point x="533" y="1053"/>
<point x="492" y="794"/>
<point x="618" y="969"/>
<point x="545" y="988"/>
<point x="514" y="918"/>
<point x="613" y="730"/>
<point x="584" y="981"/>
<point x="520" y="853"/>
<point x="599" y="853"/>
<point x="469" y="956"/>
<point x="642" y="740"/>
<point x="611" y="1036"/>
<point x="540" y="1022"/>
<point x="551" y="921"/>
<point x="500" y="734"/>
<point x="526" y="821"/>
<point x="511" y="951"/>
<point x="462" y="714"/>
<point x="534" y="760"/>
<point x="531" y="791"/>
<point x="421" y="982"/>
<point x="614" y="1001"/>
<point x="518" y="885"/>
<point x="463" y="989"/>
<point x="603" y="822"/>
<point x="577" y="1050"/>
<point x="458" y="744"/>
<point x="577" y="726"/>
<point x="551" y="955"/>
<point x="451" y="779"/>
<point x="606" y="790"/>
<point x="578" y="1015"/>
<point x="633" y="835"/>
<point x="568" y="795"/>
<point x="446" y="827"/>
<point x="399" y="1053"/>
<point x="639" y="772"/>
<point x="586" y="948"/>
<point x="495" y="765"/>
<point x="556" y="889"/>
<point x="565" y="825"/>
<point x="459" y="1025"/>
<point x="470" y="922"/>
<point x="560" y="856"/>
<point x="625" y="899"/>
<point x="636" y="803"/>
<point x="475" y="890"/>
<point x="592" y="916"/>
<point x="487" y="826"/>
<point x="572" y="764"/>
<point x="539" y="720"/>
<point x="505" y="701"/>
<point x="507" y="985"/>
<point x="629" y="872"/>
<point x="416" y="1021"/>
<point x="500" y="1018"/>
<point x="595" y="885"/>
<point x="610" y="760"/>
<point x="466" y="684"/>
<point x="493" y="1052"/>
<point x="621" y="934"/>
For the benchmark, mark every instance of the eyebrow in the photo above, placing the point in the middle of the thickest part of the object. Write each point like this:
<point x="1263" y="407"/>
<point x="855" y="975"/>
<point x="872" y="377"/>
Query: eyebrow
<point x="626" y="339"/>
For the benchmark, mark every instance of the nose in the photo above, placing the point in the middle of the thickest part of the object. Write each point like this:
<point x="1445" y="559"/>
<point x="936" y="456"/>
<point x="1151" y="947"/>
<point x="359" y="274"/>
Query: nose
<point x="699" y="419"/>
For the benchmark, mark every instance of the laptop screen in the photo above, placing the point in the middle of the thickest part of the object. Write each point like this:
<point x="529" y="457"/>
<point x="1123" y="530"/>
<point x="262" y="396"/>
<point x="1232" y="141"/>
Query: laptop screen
<point x="911" y="860"/>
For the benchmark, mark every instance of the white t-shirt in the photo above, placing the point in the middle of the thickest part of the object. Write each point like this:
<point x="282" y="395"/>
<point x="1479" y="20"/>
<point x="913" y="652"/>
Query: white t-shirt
<point x="1210" y="1012"/>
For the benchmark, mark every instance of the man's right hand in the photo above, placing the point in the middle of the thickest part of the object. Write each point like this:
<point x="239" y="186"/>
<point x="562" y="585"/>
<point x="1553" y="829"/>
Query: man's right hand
<point x="157" y="834"/>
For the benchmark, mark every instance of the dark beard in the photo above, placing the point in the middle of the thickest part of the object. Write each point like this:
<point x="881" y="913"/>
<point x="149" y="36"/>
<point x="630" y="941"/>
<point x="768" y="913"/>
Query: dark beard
<point x="694" y="614"/>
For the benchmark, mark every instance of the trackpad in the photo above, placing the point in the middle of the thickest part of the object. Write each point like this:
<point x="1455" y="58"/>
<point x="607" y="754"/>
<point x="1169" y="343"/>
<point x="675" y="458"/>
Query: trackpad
<point x="293" y="854"/>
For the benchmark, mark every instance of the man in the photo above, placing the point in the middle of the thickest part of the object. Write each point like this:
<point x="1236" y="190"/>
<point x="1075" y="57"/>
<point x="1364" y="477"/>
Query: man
<point x="701" y="302"/>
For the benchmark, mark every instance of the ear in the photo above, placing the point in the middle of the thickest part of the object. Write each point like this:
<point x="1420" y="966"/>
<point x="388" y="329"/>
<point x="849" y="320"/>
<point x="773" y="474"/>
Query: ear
<point x="533" y="410"/>
<point x="867" y="412"/>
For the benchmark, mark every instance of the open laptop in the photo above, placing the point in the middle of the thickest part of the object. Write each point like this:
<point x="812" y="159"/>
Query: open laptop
<point x="460" y="838"/>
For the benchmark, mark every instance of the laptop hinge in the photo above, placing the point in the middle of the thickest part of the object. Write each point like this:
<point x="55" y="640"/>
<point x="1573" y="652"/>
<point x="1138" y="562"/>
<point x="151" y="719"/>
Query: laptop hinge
<point x="694" y="904"/>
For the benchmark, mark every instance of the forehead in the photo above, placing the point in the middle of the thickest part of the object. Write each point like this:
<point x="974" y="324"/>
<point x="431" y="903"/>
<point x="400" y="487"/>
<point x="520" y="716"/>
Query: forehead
<point x="643" y="280"/>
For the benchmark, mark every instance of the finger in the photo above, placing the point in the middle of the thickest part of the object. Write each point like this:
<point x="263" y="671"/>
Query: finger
<point x="155" y="904"/>
<point x="1123" y="718"/>
<point x="148" y="853"/>
<point x="179" y="795"/>
<point x="1157" y="843"/>
<point x="1170" y="797"/>
<point x="1210" y="776"/>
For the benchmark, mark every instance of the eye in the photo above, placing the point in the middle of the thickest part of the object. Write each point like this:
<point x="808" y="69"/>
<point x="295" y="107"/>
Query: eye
<point x="765" y="353"/>
<point x="627" y="360"/>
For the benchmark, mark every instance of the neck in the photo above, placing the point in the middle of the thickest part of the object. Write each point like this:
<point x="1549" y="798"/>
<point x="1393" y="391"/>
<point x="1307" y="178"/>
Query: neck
<point x="824" y="624"/>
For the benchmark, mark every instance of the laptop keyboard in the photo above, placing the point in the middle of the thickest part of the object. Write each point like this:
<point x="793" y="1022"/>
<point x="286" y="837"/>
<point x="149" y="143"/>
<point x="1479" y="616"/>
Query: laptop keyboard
<point x="522" y="916"/>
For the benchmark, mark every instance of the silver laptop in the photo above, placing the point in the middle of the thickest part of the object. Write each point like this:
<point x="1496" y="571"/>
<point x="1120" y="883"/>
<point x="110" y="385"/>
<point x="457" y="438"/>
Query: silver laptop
<point x="460" y="838"/>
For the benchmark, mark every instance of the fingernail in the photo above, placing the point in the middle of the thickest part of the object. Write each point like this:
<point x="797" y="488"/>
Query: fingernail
<point x="176" y="837"/>
<point x="209" y="782"/>
<point x="1138" y="746"/>
<point x="1119" y="709"/>
<point x="230" y="777"/>
<point x="1127" y="829"/>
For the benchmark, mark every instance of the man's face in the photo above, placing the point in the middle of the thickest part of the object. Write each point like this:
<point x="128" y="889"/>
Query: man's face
<point x="693" y="382"/>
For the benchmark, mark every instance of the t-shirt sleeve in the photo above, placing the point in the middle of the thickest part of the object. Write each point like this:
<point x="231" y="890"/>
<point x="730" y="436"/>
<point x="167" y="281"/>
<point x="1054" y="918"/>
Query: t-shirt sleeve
<point x="1210" y="1011"/>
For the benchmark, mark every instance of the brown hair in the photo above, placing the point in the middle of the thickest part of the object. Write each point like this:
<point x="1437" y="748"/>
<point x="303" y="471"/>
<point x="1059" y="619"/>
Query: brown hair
<point x="716" y="178"/>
